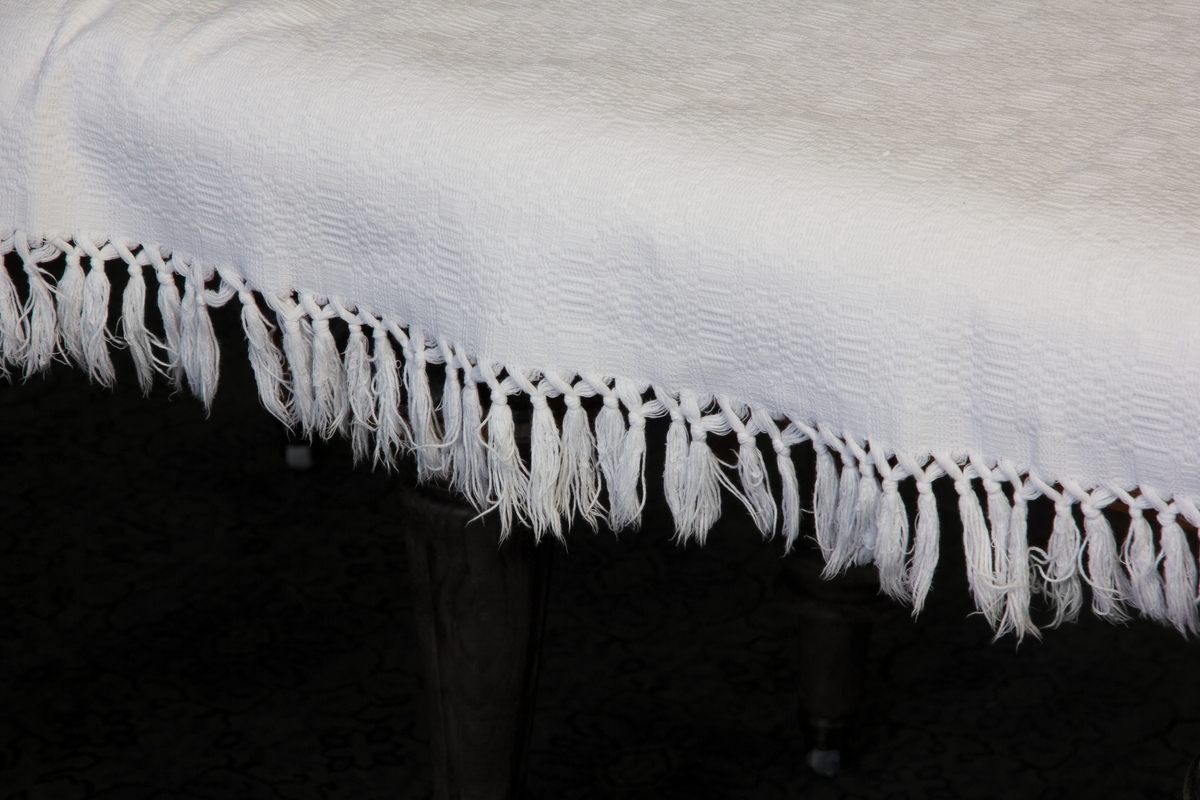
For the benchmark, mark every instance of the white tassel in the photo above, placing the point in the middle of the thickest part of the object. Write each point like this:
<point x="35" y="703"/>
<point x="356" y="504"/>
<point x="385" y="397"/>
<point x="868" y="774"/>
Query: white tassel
<point x="846" y="543"/>
<point x="38" y="315"/>
<point x="169" y="310"/>
<point x="331" y="407"/>
<point x="610" y="437"/>
<point x="11" y="343"/>
<point x="1018" y="591"/>
<point x="69" y="304"/>
<point x="626" y="504"/>
<point x="789" y="490"/>
<point x="999" y="516"/>
<point x="1179" y="570"/>
<point x="450" y="409"/>
<point x="675" y="467"/>
<point x="94" y="322"/>
<point x="360" y="396"/>
<point x="133" y="318"/>
<point x="1103" y="571"/>
<point x="470" y="474"/>
<point x="392" y="435"/>
<point x="265" y="358"/>
<point x="977" y="544"/>
<point x="703" y="487"/>
<point x="198" y="349"/>
<point x="509" y="479"/>
<point x="426" y="444"/>
<point x="1141" y="563"/>
<point x="891" y="541"/>
<point x="865" y="511"/>
<point x="752" y="472"/>
<point x="544" y="461"/>
<point x="825" y="497"/>
<point x="298" y="352"/>
<point x="926" y="544"/>
<point x="578" y="478"/>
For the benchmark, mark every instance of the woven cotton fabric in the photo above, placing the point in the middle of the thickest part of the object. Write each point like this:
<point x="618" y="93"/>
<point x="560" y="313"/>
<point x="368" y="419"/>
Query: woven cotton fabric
<point x="932" y="238"/>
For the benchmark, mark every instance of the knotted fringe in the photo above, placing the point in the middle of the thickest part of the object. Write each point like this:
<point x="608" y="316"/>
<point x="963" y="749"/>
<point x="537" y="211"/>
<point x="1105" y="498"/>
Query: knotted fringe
<point x="357" y="361"/>
<point x="578" y="488"/>
<point x="1141" y="562"/>
<point x="675" y="465"/>
<point x="11" y="341"/>
<point x="752" y="472"/>
<point x="508" y="479"/>
<point x="169" y="306"/>
<point x="430" y="455"/>
<point x="1179" y="566"/>
<point x="544" y="459"/>
<point x="825" y="496"/>
<point x="892" y="532"/>
<point x="265" y="358"/>
<point x="330" y="406"/>
<point x="38" y="318"/>
<point x="133" y="328"/>
<point x="627" y="502"/>
<point x="69" y="302"/>
<point x="470" y="475"/>
<point x="357" y="390"/>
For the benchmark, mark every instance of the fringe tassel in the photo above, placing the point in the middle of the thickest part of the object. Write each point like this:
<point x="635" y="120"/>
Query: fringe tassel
<point x="976" y="543"/>
<point x="891" y="541"/>
<point x="360" y="394"/>
<point x="508" y="477"/>
<point x="169" y="309"/>
<point x="610" y="437"/>
<point x="825" y="496"/>
<point x="1103" y="572"/>
<point x="544" y="462"/>
<point x="392" y="435"/>
<point x="69" y="303"/>
<point x="133" y="318"/>
<point x="846" y="542"/>
<point x="1018" y="591"/>
<point x="752" y="472"/>
<point x="789" y="487"/>
<point x="675" y="467"/>
<point x="470" y="474"/>
<point x="865" y="511"/>
<point x="579" y="481"/>
<point x="11" y="342"/>
<point x="702" y="493"/>
<point x="199" y="352"/>
<point x="426" y="443"/>
<point x="297" y="350"/>
<point x="999" y="514"/>
<point x="450" y="408"/>
<point x="625" y="505"/>
<point x="94" y="322"/>
<point x="265" y="358"/>
<point x="1179" y="567"/>
<point x="331" y="407"/>
<point x="926" y="545"/>
<point x="37" y="318"/>
<point x="1141" y="564"/>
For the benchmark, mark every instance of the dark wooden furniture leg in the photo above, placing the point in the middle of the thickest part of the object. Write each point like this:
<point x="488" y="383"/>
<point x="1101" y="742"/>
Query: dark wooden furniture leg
<point x="480" y="612"/>
<point x="835" y="628"/>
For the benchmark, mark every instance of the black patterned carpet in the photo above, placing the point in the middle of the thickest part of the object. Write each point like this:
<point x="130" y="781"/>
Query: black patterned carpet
<point x="183" y="617"/>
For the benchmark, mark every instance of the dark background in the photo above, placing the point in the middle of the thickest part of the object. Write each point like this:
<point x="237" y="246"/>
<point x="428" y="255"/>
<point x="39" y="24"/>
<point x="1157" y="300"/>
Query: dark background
<point x="183" y="617"/>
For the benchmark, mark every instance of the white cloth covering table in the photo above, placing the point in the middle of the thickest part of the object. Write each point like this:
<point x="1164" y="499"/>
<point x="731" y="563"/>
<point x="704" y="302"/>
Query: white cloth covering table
<point x="932" y="240"/>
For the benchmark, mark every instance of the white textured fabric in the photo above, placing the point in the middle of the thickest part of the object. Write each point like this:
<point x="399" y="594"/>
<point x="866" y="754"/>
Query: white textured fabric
<point x="969" y="231"/>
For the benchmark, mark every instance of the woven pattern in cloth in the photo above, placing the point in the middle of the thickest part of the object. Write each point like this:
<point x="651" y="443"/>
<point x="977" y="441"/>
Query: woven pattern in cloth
<point x="935" y="242"/>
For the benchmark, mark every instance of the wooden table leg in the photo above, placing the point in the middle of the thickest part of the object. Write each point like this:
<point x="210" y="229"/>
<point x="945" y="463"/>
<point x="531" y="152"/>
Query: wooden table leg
<point x="835" y="628"/>
<point x="480" y="612"/>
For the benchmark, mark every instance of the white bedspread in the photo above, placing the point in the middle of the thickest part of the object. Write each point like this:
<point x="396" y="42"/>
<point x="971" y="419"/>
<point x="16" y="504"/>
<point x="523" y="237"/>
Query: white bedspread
<point x="933" y="238"/>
